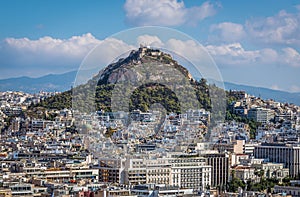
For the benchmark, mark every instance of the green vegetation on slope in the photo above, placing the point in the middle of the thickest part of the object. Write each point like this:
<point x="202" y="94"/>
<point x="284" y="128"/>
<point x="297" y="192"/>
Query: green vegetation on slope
<point x="141" y="98"/>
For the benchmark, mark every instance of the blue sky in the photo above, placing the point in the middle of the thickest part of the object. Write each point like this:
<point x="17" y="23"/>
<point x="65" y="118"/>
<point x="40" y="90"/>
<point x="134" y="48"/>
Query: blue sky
<point x="252" y="42"/>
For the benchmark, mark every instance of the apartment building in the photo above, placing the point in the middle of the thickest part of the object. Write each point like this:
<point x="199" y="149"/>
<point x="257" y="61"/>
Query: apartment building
<point x="288" y="154"/>
<point x="260" y="114"/>
<point x="185" y="171"/>
<point x="109" y="170"/>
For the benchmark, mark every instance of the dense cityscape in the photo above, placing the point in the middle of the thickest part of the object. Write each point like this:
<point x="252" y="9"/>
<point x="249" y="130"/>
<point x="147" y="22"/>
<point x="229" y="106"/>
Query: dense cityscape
<point x="43" y="157"/>
<point x="149" y="98"/>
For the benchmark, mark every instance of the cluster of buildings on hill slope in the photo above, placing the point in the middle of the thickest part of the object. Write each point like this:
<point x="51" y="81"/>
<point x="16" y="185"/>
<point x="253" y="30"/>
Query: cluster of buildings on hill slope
<point x="148" y="153"/>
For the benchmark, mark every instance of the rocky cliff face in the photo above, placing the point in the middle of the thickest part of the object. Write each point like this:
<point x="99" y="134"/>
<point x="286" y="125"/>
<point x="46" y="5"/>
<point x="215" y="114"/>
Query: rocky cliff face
<point x="142" y="60"/>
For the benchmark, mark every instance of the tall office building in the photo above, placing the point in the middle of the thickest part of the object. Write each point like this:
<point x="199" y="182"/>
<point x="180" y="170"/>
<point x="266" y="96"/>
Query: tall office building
<point x="289" y="154"/>
<point x="220" y="168"/>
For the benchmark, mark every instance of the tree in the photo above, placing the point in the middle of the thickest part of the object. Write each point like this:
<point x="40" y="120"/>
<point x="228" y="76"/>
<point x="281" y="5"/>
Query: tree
<point x="261" y="174"/>
<point x="286" y="181"/>
<point x="235" y="183"/>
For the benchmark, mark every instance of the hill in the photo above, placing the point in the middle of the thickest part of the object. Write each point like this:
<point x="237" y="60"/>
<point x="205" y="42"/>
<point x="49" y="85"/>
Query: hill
<point x="153" y="75"/>
<point x="63" y="82"/>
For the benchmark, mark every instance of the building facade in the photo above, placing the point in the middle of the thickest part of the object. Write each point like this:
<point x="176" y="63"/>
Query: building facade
<point x="220" y="168"/>
<point x="184" y="172"/>
<point x="260" y="114"/>
<point x="288" y="154"/>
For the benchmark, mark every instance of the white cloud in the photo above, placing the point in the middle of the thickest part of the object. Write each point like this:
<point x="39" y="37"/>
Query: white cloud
<point x="198" y="13"/>
<point x="23" y="56"/>
<point x="268" y="56"/>
<point x="153" y="41"/>
<point x="49" y="43"/>
<point x="295" y="88"/>
<point x="46" y="55"/>
<point x="165" y="12"/>
<point x="48" y="49"/>
<point x="232" y="54"/>
<point x="188" y="49"/>
<point x="228" y="32"/>
<point x="235" y="54"/>
<point x="275" y="87"/>
<point x="289" y="88"/>
<point x="280" y="29"/>
<point x="291" y="57"/>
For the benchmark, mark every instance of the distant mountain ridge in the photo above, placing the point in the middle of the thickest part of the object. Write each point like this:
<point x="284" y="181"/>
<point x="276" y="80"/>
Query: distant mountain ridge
<point x="266" y="93"/>
<point x="47" y="83"/>
<point x="63" y="82"/>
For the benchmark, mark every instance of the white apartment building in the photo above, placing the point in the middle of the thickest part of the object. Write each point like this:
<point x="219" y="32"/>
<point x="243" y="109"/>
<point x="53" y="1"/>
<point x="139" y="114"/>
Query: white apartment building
<point x="22" y="189"/>
<point x="191" y="173"/>
<point x="158" y="171"/>
<point x="260" y="114"/>
<point x="184" y="171"/>
<point x="134" y="171"/>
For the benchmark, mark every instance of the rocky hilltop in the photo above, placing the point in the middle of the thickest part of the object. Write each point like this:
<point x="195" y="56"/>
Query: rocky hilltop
<point x="126" y="69"/>
<point x="151" y="70"/>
